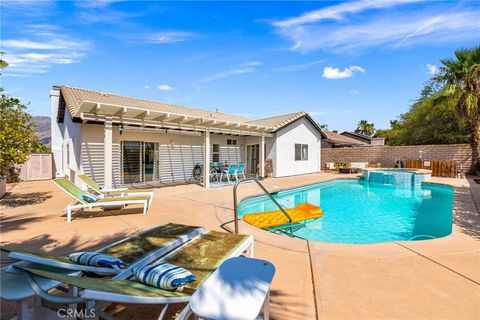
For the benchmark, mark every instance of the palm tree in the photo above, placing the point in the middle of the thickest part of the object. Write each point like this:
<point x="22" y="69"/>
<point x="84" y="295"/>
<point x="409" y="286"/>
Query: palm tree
<point x="366" y="128"/>
<point x="460" y="78"/>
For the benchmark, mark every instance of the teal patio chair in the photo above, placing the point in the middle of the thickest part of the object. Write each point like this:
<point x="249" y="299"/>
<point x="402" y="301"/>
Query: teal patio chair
<point x="240" y="170"/>
<point x="229" y="173"/>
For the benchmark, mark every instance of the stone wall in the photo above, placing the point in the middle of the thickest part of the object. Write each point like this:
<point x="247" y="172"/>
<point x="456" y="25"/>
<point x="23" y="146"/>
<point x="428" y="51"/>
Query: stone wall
<point x="386" y="155"/>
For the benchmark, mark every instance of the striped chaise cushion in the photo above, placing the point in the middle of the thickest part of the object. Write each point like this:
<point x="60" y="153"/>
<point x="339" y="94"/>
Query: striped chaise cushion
<point x="96" y="259"/>
<point x="164" y="276"/>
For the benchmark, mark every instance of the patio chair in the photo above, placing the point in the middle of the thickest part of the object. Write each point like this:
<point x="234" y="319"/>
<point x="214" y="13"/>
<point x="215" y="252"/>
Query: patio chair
<point x="330" y="166"/>
<point x="76" y="193"/>
<point x="92" y="184"/>
<point x="201" y="256"/>
<point x="240" y="170"/>
<point x="229" y="173"/>
<point x="143" y="247"/>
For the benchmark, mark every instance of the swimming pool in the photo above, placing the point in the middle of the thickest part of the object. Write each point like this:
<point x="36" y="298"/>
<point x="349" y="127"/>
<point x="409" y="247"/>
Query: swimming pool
<point x="356" y="211"/>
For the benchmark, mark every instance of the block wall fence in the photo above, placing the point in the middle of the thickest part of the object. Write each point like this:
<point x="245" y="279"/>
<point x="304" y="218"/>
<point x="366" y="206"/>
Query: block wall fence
<point x="386" y="155"/>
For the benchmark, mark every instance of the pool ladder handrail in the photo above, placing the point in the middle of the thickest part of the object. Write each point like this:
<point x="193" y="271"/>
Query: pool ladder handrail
<point x="235" y="201"/>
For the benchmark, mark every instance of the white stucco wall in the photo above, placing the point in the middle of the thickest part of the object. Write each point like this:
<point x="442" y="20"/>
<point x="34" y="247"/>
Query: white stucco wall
<point x="65" y="136"/>
<point x="301" y="131"/>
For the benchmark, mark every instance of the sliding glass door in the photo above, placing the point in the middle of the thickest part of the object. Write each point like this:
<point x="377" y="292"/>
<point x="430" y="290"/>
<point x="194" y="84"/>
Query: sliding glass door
<point x="150" y="156"/>
<point x="253" y="152"/>
<point x="139" y="162"/>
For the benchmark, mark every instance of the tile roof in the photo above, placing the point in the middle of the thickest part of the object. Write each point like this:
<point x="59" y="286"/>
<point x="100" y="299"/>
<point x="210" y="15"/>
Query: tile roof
<point x="278" y="122"/>
<point x="75" y="96"/>
<point x="360" y="135"/>
<point x="341" y="139"/>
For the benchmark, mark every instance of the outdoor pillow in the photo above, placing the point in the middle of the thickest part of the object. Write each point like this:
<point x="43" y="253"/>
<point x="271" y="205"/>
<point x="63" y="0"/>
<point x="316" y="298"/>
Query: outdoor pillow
<point x="96" y="259"/>
<point x="89" y="197"/>
<point x="164" y="276"/>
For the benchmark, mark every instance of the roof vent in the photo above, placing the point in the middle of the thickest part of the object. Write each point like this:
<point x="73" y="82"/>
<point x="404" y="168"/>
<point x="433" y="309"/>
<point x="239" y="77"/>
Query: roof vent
<point x="56" y="88"/>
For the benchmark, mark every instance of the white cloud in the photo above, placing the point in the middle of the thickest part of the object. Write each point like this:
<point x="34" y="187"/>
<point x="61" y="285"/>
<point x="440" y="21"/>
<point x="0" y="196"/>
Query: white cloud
<point x="49" y="41"/>
<point x="354" y="91"/>
<point x="336" y="73"/>
<point x="93" y="4"/>
<point x="298" y="67"/>
<point x="55" y="58"/>
<point x="166" y="37"/>
<point x="164" y="87"/>
<point x="147" y="87"/>
<point x="345" y="28"/>
<point x="247" y="67"/>
<point x="28" y="44"/>
<point x="432" y="69"/>
<point x="41" y="51"/>
<point x="338" y="12"/>
<point x="31" y="8"/>
<point x="252" y="64"/>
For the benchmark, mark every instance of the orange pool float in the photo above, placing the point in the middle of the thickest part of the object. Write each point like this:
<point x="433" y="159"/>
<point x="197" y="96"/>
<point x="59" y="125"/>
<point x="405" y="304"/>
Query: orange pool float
<point x="302" y="212"/>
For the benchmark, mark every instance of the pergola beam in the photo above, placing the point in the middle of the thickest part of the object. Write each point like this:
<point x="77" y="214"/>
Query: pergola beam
<point x="191" y="124"/>
<point x="177" y="119"/>
<point x="143" y="115"/>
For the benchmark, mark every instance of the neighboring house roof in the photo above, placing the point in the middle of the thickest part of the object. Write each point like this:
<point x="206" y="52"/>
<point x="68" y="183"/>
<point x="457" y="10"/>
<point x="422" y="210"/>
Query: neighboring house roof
<point x="340" y="139"/>
<point x="358" y="136"/>
<point x="74" y="97"/>
<point x="78" y="100"/>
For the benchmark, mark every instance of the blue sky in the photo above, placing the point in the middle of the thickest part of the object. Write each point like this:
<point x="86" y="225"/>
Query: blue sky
<point x="340" y="61"/>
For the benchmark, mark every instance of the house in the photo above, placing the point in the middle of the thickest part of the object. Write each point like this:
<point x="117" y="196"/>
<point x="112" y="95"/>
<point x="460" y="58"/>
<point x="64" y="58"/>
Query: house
<point x="119" y="140"/>
<point x="364" y="138"/>
<point x="336" y="140"/>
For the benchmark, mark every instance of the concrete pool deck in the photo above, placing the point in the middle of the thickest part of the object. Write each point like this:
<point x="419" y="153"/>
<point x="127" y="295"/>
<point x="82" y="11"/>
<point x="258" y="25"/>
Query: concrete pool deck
<point x="433" y="279"/>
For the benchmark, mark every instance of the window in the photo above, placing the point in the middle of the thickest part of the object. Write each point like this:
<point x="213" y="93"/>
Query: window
<point x="215" y="152"/>
<point x="68" y="154"/>
<point x="301" y="152"/>
<point x="232" y="142"/>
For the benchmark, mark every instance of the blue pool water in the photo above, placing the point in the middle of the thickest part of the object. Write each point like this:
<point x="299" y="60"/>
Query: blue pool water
<point x="356" y="211"/>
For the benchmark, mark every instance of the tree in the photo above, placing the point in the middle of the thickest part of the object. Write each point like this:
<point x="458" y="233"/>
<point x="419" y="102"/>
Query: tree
<point x="323" y="126"/>
<point x="427" y="122"/>
<point x="17" y="138"/>
<point x="3" y="63"/>
<point x="460" y="78"/>
<point x="366" y="128"/>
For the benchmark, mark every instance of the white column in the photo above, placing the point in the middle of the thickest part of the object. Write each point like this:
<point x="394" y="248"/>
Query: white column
<point x="262" y="156"/>
<point x="206" y="159"/>
<point x="107" y="153"/>
<point x="56" y="129"/>
<point x="245" y="157"/>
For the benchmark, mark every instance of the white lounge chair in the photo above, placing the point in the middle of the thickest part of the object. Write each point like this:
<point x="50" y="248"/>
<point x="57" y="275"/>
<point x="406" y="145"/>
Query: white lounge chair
<point x="143" y="247"/>
<point x="76" y="193"/>
<point x="201" y="256"/>
<point x="117" y="192"/>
